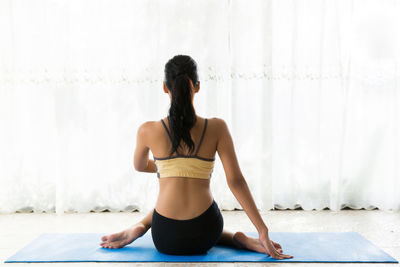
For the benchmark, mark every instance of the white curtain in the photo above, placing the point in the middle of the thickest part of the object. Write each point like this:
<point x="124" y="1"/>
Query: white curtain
<point x="309" y="89"/>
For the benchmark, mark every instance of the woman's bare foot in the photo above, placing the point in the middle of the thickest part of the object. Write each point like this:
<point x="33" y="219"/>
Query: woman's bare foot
<point x="118" y="240"/>
<point x="247" y="242"/>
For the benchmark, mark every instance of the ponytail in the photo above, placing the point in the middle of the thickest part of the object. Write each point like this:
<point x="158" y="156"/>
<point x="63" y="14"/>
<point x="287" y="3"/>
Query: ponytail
<point x="182" y="116"/>
<point x="181" y="78"/>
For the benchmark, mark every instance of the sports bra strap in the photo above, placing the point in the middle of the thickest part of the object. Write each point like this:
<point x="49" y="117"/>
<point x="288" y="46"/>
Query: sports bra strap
<point x="169" y="135"/>
<point x="202" y="136"/>
<point x="166" y="129"/>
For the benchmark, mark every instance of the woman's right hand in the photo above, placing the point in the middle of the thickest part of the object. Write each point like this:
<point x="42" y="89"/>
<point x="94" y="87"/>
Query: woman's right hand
<point x="269" y="247"/>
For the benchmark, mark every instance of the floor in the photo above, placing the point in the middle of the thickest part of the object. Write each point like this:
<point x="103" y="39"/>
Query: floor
<point x="380" y="227"/>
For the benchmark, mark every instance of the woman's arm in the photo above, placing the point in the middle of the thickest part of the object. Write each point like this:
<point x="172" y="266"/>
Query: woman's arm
<point x="151" y="166"/>
<point x="238" y="185"/>
<point x="236" y="182"/>
<point x="141" y="161"/>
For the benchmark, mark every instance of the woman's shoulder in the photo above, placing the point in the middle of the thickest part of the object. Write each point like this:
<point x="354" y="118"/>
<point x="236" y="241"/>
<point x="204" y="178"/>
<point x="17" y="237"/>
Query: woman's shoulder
<point x="148" y="127"/>
<point x="147" y="124"/>
<point x="217" y="126"/>
<point x="218" y="122"/>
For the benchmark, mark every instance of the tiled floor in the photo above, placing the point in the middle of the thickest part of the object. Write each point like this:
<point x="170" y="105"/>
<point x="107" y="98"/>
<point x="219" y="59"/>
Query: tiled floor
<point x="380" y="227"/>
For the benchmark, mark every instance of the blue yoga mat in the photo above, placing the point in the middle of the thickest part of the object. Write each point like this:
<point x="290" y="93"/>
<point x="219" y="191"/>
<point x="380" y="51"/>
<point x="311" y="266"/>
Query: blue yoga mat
<point x="305" y="247"/>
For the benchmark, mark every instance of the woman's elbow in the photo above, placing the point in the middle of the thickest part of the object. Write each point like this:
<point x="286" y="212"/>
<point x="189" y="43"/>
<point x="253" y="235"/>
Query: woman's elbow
<point x="137" y="167"/>
<point x="140" y="167"/>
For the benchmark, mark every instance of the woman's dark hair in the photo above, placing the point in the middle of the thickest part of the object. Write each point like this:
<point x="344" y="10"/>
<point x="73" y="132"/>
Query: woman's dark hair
<point x="180" y="78"/>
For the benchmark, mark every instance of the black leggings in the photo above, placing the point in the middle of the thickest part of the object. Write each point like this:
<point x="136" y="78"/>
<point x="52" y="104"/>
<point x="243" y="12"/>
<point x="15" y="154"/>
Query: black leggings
<point x="184" y="237"/>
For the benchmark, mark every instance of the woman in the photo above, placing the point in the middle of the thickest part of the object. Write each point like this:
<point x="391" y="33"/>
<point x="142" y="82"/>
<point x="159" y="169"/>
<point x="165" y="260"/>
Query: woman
<point x="186" y="219"/>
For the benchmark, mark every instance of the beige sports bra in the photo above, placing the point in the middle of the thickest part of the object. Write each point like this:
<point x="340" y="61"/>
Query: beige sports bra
<point x="183" y="165"/>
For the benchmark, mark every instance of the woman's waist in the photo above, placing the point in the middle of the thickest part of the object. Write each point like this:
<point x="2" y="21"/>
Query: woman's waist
<point x="183" y="204"/>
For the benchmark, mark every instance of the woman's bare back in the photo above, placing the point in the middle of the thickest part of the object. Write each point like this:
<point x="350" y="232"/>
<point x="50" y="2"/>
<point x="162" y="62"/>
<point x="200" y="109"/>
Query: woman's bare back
<point x="183" y="198"/>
